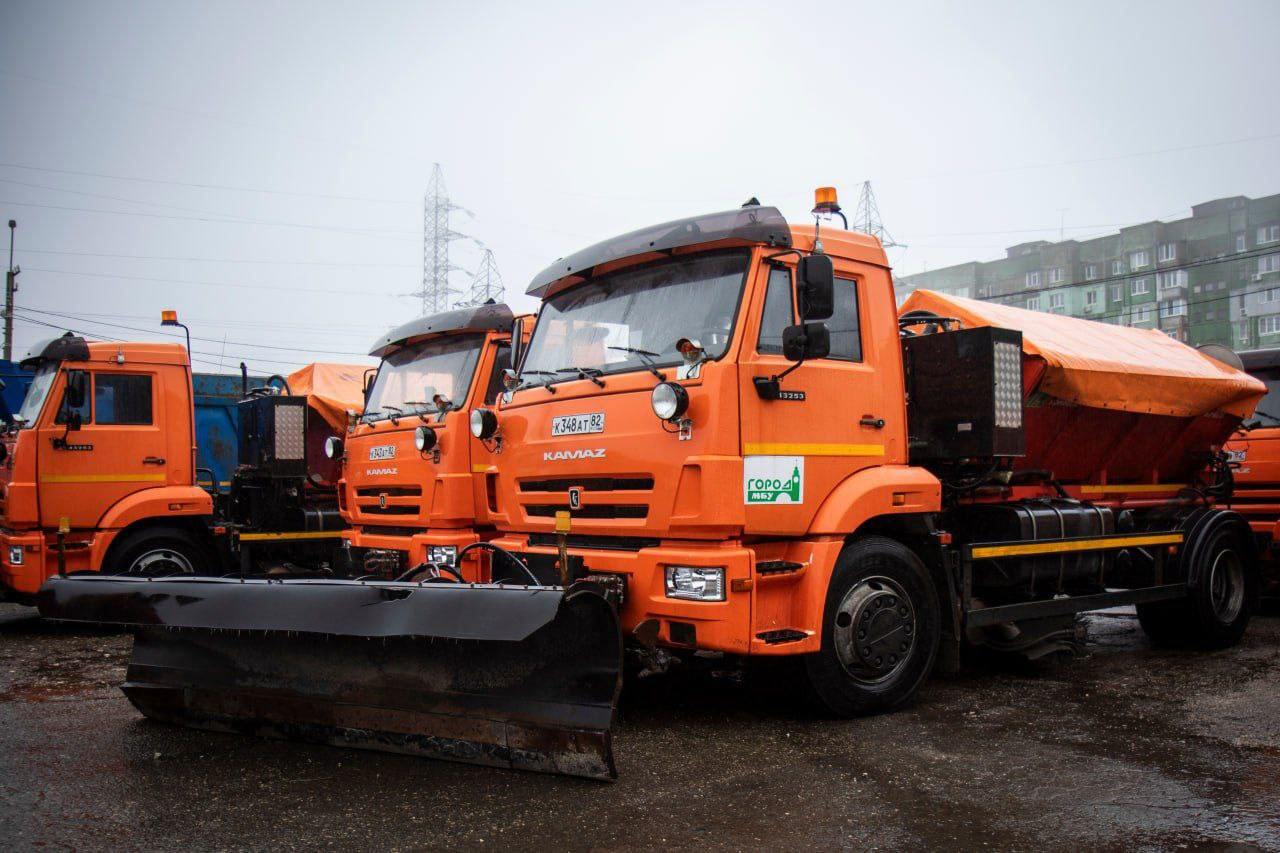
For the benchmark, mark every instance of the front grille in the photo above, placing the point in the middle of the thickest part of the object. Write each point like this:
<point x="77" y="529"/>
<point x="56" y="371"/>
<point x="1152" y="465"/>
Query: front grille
<point x="588" y="484"/>
<point x="588" y="542"/>
<point x="374" y="509"/>
<point x="589" y="511"/>
<point x="389" y="491"/>
<point x="391" y="530"/>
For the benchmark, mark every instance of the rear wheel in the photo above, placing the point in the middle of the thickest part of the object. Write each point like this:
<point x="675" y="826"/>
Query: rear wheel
<point x="158" y="552"/>
<point x="1216" y="612"/>
<point x="881" y="629"/>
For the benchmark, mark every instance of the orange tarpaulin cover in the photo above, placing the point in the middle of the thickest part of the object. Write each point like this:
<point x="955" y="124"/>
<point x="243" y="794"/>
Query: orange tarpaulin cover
<point x="1106" y="366"/>
<point x="331" y="389"/>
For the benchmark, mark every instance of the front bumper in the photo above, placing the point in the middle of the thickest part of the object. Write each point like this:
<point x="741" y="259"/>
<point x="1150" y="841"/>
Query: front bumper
<point x="414" y="546"/>
<point x="763" y="613"/>
<point x="22" y="580"/>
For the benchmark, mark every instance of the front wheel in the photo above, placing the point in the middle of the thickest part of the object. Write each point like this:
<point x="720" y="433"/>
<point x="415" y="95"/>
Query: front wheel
<point x="881" y="629"/>
<point x="158" y="552"/>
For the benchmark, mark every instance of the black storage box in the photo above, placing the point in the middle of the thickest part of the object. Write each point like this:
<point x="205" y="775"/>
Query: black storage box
<point x="273" y="435"/>
<point x="964" y="394"/>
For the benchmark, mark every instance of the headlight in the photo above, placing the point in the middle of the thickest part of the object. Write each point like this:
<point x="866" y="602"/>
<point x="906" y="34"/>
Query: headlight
<point x="333" y="447"/>
<point x="669" y="401"/>
<point x="424" y="438"/>
<point x="442" y="555"/>
<point x="695" y="583"/>
<point x="15" y="555"/>
<point x="484" y="423"/>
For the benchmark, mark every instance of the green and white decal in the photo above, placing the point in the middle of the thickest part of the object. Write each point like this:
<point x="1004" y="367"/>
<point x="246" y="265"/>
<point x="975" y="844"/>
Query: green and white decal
<point x="773" y="479"/>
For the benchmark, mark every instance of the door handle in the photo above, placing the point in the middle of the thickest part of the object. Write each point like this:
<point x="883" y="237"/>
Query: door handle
<point x="872" y="421"/>
<point x="153" y="460"/>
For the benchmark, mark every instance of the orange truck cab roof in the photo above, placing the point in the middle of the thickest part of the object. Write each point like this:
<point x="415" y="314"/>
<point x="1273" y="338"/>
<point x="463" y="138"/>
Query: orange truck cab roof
<point x="69" y="347"/>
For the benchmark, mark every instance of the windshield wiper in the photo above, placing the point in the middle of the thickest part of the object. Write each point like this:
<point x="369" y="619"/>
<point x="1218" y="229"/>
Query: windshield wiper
<point x="1266" y="415"/>
<point x="419" y="408"/>
<point x="592" y="373"/>
<point x="394" y="420"/>
<point x="647" y="357"/>
<point x="547" y="373"/>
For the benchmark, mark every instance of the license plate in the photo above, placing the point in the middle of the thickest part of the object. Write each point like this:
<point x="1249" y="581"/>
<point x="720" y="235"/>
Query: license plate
<point x="382" y="451"/>
<point x="1235" y="455"/>
<point x="578" y="424"/>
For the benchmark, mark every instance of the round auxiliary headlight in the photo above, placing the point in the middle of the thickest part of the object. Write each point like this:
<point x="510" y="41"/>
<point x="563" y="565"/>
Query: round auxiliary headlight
<point x="333" y="447"/>
<point x="424" y="438"/>
<point x="484" y="423"/>
<point x="669" y="401"/>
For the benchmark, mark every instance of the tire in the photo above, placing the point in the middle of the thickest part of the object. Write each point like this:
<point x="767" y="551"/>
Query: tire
<point x="158" y="552"/>
<point x="1216" y="612"/>
<point x="880" y="583"/>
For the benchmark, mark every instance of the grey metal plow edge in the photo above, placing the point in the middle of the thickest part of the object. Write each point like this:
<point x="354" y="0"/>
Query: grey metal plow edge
<point x="505" y="676"/>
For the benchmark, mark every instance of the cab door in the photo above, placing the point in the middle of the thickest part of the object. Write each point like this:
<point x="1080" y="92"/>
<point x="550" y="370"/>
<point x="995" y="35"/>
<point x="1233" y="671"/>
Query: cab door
<point x="119" y="448"/>
<point x="830" y="416"/>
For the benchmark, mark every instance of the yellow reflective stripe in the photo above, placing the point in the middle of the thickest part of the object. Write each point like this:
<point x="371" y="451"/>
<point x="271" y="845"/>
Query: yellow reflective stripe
<point x="480" y="469"/>
<point x="264" y="537"/>
<point x="1132" y="488"/>
<point x="790" y="449"/>
<point x="102" y="478"/>
<point x="1067" y="547"/>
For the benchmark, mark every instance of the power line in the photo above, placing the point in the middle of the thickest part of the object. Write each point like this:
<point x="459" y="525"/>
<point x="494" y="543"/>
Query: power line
<point x="199" y="282"/>
<point x="193" y="353"/>
<point x="1090" y="282"/>
<point x="194" y="338"/>
<point x="208" y="186"/>
<point x="338" y="264"/>
<point x="380" y="233"/>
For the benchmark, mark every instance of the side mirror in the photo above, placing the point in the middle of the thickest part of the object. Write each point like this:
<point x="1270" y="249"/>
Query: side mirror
<point x="369" y="376"/>
<point x="815" y="287"/>
<point x="808" y="340"/>
<point x="76" y="391"/>
<point x="517" y="342"/>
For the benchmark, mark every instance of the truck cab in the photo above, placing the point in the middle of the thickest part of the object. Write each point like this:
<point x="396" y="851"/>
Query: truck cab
<point x="689" y="451"/>
<point x="1254" y="450"/>
<point x="102" y="447"/>
<point x="417" y="487"/>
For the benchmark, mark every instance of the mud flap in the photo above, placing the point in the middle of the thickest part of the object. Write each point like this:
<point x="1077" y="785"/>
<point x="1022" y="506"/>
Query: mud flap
<point x="520" y="677"/>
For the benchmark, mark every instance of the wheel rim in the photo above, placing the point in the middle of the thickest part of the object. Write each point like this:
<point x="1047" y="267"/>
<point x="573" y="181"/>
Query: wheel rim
<point x="161" y="561"/>
<point x="1226" y="586"/>
<point x="875" y="630"/>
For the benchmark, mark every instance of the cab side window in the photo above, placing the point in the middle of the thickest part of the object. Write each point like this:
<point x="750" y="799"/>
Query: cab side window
<point x="844" y="325"/>
<point x="501" y="362"/>
<point x="778" y="312"/>
<point x="65" y="410"/>
<point x="122" y="398"/>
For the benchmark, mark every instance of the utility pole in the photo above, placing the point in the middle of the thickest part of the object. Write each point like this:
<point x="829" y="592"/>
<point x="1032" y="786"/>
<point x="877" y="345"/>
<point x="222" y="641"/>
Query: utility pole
<point x="486" y="281"/>
<point x="10" y="288"/>
<point x="867" y="218"/>
<point x="436" y="294"/>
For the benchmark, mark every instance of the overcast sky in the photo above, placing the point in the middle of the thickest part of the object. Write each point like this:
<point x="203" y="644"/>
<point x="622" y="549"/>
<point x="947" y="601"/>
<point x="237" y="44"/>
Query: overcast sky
<point x="260" y="166"/>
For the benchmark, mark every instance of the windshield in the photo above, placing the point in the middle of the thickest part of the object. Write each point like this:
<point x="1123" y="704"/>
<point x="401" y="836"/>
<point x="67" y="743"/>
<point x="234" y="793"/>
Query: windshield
<point x="36" y="394"/>
<point x="613" y="323"/>
<point x="409" y="379"/>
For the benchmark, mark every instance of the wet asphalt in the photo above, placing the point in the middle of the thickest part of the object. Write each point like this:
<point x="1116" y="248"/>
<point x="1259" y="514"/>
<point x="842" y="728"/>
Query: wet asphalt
<point x="1130" y="747"/>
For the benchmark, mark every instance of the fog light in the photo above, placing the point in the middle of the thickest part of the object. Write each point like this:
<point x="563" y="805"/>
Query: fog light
<point x="333" y="447"/>
<point x="484" y="423"/>
<point x="424" y="438"/>
<point x="695" y="583"/>
<point x="442" y="555"/>
<point x="669" y="400"/>
<point x="15" y="555"/>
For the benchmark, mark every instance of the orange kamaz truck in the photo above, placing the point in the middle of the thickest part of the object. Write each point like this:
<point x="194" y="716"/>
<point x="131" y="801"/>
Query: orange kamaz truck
<point x="1254" y="452"/>
<point x="415" y="489"/>
<point x="722" y="438"/>
<point x="100" y="471"/>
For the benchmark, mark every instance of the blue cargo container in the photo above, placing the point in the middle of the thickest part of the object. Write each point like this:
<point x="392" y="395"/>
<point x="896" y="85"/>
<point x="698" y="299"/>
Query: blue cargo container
<point x="16" y="381"/>
<point x="217" y="425"/>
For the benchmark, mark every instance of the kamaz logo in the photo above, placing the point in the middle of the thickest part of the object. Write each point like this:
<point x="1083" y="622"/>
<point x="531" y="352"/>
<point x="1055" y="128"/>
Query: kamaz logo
<point x="558" y="455"/>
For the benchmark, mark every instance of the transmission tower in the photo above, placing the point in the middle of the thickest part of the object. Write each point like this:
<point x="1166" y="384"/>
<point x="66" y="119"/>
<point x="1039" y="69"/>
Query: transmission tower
<point x="486" y="281"/>
<point x="867" y="217"/>
<point x="436" y="294"/>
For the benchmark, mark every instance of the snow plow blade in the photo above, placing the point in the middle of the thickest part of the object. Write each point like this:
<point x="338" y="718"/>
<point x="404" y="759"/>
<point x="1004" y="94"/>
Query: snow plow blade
<point x="504" y="676"/>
